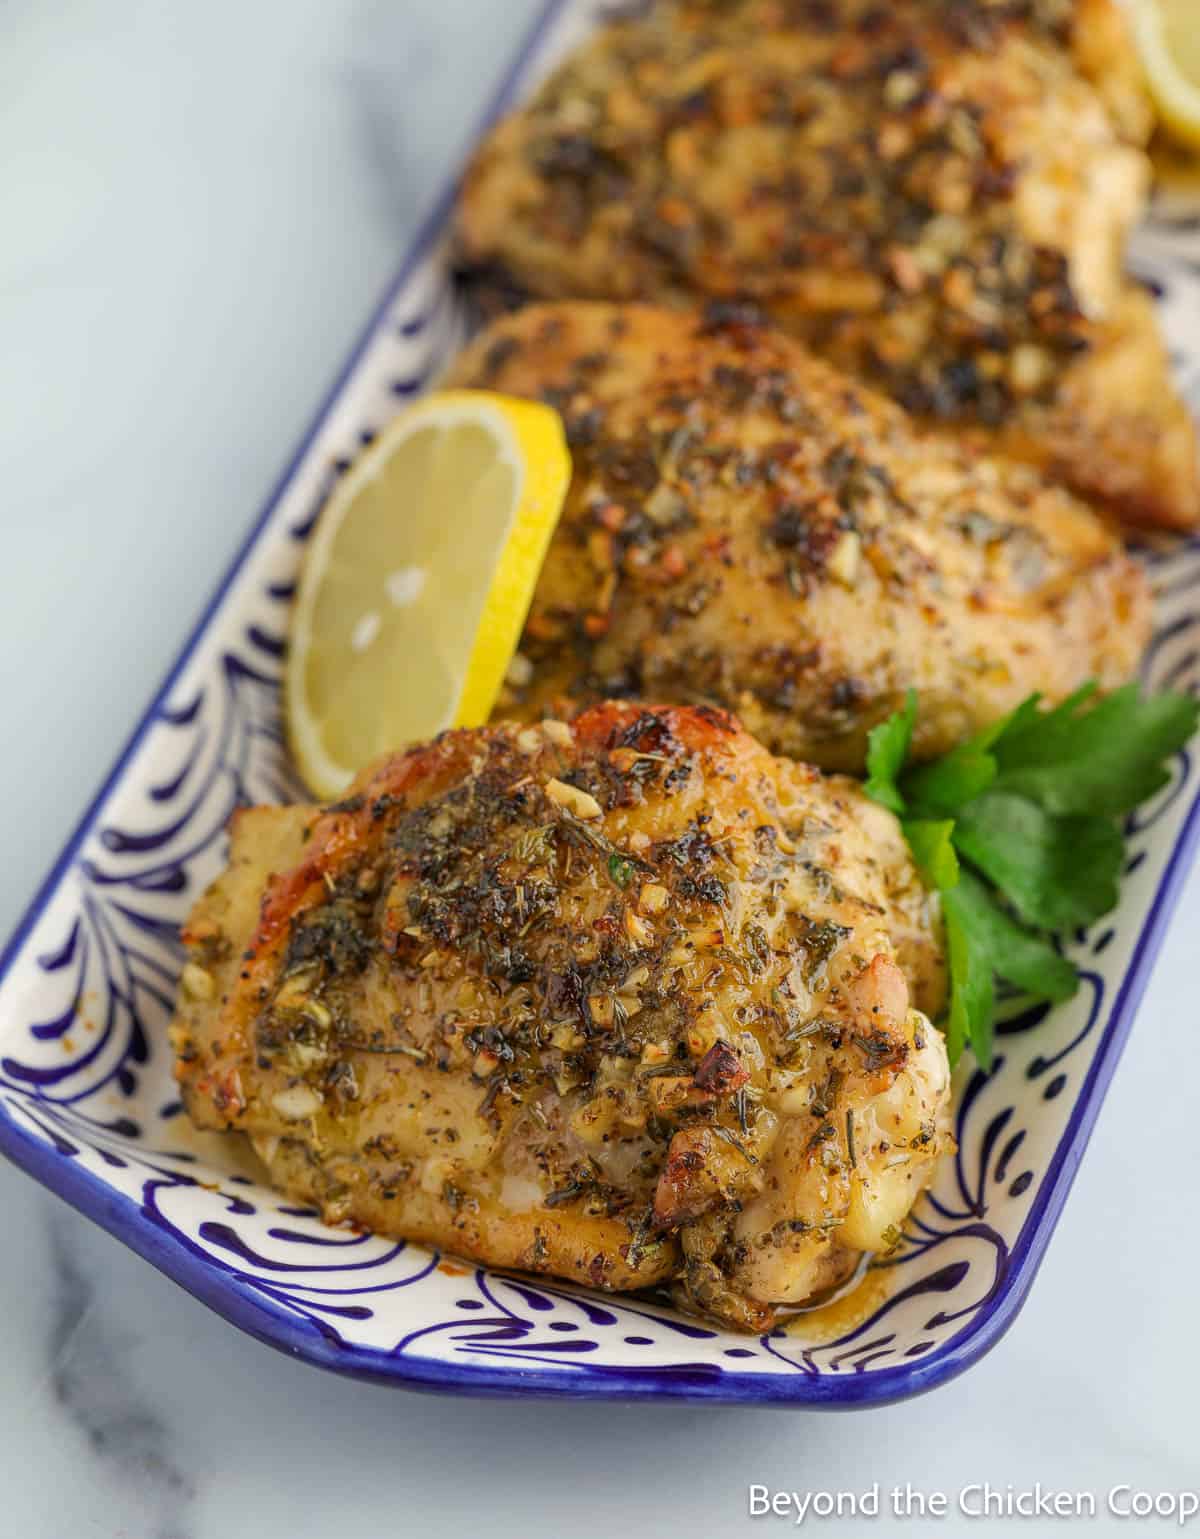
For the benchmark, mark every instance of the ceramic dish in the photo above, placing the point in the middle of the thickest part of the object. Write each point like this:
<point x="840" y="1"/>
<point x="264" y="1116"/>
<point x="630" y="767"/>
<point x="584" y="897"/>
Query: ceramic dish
<point x="88" y="1105"/>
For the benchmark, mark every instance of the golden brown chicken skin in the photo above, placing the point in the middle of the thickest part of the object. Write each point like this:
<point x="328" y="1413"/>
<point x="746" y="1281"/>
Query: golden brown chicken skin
<point x="748" y="528"/>
<point x="1093" y="34"/>
<point x="932" y="193"/>
<point x="629" y="1002"/>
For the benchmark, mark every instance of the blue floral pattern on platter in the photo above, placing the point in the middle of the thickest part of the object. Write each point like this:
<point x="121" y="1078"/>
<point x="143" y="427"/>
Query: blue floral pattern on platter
<point x="87" y="1101"/>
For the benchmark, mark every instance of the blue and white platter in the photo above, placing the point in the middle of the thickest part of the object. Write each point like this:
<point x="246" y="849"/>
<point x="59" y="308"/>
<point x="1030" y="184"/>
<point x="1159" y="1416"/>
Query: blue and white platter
<point x="88" y="1105"/>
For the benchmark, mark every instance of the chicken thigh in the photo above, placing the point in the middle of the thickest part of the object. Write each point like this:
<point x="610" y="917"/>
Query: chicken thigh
<point x="628" y="1001"/>
<point x="935" y="194"/>
<point x="748" y="528"/>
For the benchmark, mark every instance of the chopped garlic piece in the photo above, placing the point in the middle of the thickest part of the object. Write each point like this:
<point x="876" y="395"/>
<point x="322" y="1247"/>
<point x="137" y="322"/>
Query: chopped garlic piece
<point x="582" y="803"/>
<point x="296" y="1103"/>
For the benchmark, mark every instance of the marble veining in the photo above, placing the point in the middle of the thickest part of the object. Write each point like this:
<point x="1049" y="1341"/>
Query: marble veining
<point x="89" y="1354"/>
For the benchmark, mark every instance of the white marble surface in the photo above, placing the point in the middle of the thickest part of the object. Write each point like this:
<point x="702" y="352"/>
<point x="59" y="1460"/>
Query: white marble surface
<point x="201" y="203"/>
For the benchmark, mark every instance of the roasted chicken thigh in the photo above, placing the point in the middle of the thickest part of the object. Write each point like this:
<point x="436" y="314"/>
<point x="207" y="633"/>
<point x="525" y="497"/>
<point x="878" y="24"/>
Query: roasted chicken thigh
<point x="627" y="1001"/>
<point x="748" y="528"/>
<point x="935" y="194"/>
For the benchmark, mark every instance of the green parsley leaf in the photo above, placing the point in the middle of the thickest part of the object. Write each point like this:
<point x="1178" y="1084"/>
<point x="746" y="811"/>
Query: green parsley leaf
<point x="1058" y="873"/>
<point x="1018" y="955"/>
<point x="984" y="944"/>
<point x="1095" y="759"/>
<point x="1019" y="830"/>
<point x="932" y="848"/>
<point x="887" y="749"/>
<point x="972" y="987"/>
<point x="939" y="789"/>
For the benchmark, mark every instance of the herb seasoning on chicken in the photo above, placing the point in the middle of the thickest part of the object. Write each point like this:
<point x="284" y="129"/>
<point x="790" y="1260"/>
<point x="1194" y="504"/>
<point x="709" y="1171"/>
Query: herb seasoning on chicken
<point x="935" y="194"/>
<point x="748" y="528"/>
<point x="628" y="1001"/>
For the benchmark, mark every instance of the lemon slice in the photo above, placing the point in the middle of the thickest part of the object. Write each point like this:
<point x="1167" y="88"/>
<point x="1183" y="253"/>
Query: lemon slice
<point x="1168" y="40"/>
<point x="418" y="579"/>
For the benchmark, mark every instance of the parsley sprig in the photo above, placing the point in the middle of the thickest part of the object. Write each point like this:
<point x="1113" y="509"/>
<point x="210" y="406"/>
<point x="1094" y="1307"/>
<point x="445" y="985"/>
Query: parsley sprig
<point x="1020" y="830"/>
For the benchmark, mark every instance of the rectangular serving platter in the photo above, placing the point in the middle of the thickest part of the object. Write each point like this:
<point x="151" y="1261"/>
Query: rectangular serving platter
<point x="88" y="1105"/>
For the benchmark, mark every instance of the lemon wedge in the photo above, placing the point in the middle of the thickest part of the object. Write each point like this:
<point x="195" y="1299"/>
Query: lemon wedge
<point x="418" y="579"/>
<point x="1168" y="40"/>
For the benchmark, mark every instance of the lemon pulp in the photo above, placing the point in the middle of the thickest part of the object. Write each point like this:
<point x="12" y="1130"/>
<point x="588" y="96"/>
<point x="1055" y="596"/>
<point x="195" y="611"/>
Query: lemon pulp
<point x="1168" y="37"/>
<point x="419" y="578"/>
